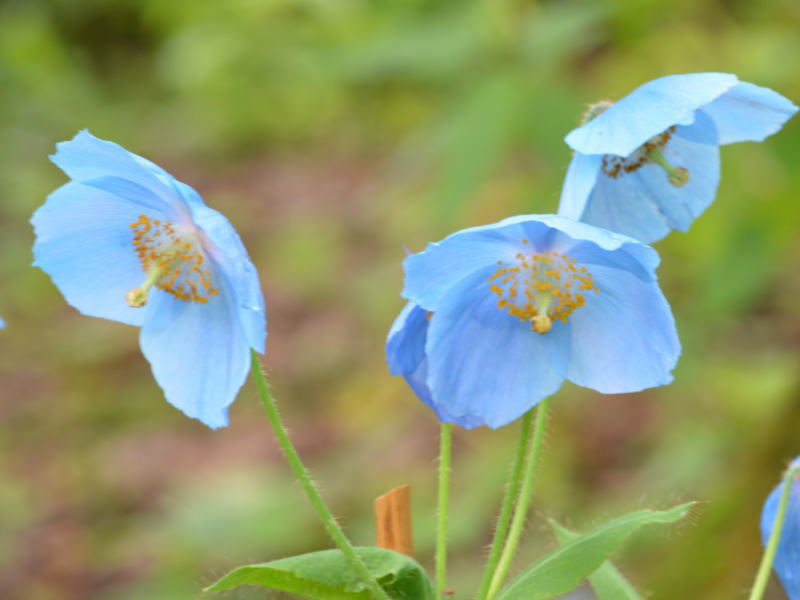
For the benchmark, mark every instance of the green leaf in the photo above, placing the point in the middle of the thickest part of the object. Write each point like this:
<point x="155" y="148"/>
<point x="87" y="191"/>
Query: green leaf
<point x="607" y="581"/>
<point x="563" y="569"/>
<point x="327" y="576"/>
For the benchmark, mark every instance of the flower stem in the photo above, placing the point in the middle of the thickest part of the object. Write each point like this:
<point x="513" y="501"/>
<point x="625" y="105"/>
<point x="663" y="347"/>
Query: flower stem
<point x="524" y="500"/>
<point x="765" y="568"/>
<point x="303" y="476"/>
<point x="507" y="506"/>
<point x="445" y="453"/>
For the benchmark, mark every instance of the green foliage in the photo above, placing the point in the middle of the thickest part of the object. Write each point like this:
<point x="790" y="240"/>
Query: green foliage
<point x="607" y="581"/>
<point x="334" y="120"/>
<point x="327" y="576"/>
<point x="564" y="568"/>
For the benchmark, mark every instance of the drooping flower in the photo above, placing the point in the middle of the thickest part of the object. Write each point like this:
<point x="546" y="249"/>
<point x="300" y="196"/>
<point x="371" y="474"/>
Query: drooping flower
<point x="787" y="557"/>
<point x="126" y="241"/>
<point x="500" y="315"/>
<point x="649" y="163"/>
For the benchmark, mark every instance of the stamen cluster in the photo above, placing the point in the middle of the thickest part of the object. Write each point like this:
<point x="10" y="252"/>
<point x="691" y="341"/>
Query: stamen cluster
<point x="179" y="263"/>
<point x="540" y="288"/>
<point x="616" y="166"/>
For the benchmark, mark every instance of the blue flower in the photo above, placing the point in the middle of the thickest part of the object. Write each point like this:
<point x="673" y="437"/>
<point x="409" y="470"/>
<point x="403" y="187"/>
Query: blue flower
<point x="787" y="558"/>
<point x="126" y="241"/>
<point x="649" y="163"/>
<point x="500" y="315"/>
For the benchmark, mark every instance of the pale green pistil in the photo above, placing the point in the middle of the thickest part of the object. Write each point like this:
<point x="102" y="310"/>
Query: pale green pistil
<point x="137" y="297"/>
<point x="677" y="176"/>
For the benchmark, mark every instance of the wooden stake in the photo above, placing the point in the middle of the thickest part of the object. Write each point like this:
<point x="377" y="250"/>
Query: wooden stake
<point x="393" y="520"/>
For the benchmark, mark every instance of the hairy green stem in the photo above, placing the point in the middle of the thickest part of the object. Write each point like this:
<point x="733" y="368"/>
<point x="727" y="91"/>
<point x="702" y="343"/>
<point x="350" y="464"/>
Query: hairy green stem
<point x="765" y="568"/>
<point x="303" y="476"/>
<point x="507" y="506"/>
<point x="524" y="500"/>
<point x="445" y="454"/>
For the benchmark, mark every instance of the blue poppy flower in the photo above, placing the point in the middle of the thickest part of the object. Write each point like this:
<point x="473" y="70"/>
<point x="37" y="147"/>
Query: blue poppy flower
<point x="787" y="557"/>
<point x="649" y="163"/>
<point x="500" y="315"/>
<point x="126" y="241"/>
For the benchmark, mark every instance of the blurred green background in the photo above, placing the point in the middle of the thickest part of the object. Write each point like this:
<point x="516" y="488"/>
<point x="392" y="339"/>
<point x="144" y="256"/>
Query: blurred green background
<point x="333" y="134"/>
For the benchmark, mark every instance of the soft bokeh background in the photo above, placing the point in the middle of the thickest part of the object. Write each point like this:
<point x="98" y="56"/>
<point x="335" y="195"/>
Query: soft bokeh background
<point x="333" y="134"/>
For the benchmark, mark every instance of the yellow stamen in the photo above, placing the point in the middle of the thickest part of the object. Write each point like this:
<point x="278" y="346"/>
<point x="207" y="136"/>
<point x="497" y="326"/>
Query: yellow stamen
<point x="548" y="283"/>
<point x="173" y="262"/>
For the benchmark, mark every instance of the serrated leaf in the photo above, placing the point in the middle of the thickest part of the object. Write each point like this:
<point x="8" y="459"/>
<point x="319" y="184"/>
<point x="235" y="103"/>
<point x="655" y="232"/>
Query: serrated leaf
<point x="564" y="568"/>
<point x="607" y="581"/>
<point x="326" y="575"/>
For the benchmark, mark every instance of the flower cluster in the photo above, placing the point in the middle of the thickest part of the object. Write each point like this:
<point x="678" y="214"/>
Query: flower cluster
<point x="500" y="315"/>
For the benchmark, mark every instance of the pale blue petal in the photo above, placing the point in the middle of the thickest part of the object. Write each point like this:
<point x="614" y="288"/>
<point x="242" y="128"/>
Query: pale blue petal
<point x="624" y="338"/>
<point x="787" y="558"/>
<point x="570" y="232"/>
<point x="581" y="177"/>
<point x="405" y="344"/>
<point x="2" y="323"/>
<point x="485" y="366"/>
<point x="405" y="353"/>
<point x="230" y="254"/>
<point x="644" y="205"/>
<point x="623" y="205"/>
<point x="86" y="158"/>
<point x="431" y="274"/>
<point x="85" y="243"/>
<point x="130" y="191"/>
<point x="198" y="352"/>
<point x="749" y="112"/>
<point x="647" y="111"/>
<point x="702" y="131"/>
<point x="635" y="258"/>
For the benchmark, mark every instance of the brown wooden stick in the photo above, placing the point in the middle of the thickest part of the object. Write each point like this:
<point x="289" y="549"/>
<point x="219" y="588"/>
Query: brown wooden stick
<point x="393" y="520"/>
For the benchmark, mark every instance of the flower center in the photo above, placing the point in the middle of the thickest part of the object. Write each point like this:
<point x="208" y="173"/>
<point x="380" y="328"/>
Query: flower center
<point x="173" y="261"/>
<point x="651" y="151"/>
<point x="540" y="288"/>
